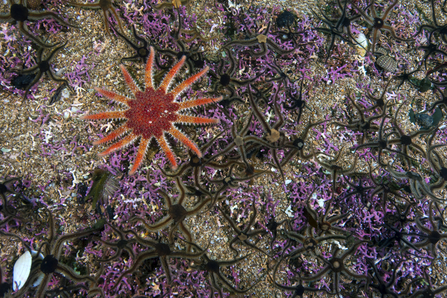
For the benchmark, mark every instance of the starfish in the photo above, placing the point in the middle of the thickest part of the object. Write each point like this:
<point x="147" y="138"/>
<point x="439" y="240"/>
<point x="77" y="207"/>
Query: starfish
<point x="152" y="113"/>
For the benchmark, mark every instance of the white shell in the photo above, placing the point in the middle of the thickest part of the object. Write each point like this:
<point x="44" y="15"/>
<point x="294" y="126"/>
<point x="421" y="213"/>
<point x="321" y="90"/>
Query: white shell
<point x="289" y="211"/>
<point x="38" y="279"/>
<point x="362" y="40"/>
<point x="21" y="271"/>
<point x="41" y="274"/>
<point x="362" y="44"/>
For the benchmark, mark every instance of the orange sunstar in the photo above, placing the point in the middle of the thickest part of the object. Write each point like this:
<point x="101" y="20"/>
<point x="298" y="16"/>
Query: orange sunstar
<point x="152" y="113"/>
